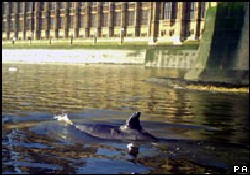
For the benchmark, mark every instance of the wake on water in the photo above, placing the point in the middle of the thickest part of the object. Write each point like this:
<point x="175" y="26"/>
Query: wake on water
<point x="63" y="117"/>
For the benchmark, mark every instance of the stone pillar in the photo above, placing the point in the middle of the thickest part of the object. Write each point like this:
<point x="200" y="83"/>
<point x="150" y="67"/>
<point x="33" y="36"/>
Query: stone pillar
<point x="137" y="18"/>
<point x="87" y="18"/>
<point x="16" y="19"/>
<point x="24" y="14"/>
<point x="37" y="17"/>
<point x="24" y="19"/>
<point x="57" y="20"/>
<point x="197" y="20"/>
<point x="47" y="18"/>
<point x="32" y="25"/>
<point x="76" y="20"/>
<point x="99" y="12"/>
<point x="111" y="19"/>
<point x="150" y="19"/>
<point x="181" y="17"/>
<point x="66" y="27"/>
<point x="154" y="23"/>
<point x="123" y="17"/>
<point x="7" y="16"/>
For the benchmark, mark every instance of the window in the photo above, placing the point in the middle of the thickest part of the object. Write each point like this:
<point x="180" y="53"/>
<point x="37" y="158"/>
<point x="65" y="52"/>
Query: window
<point x="3" y="9"/>
<point x="81" y="4"/>
<point x="28" y="23"/>
<point x="42" y="6"/>
<point x="163" y="32"/>
<point x="42" y="23"/>
<point x="105" y="20"/>
<point x="62" y="5"/>
<point x="117" y="19"/>
<point x="81" y="21"/>
<point x="29" y="6"/>
<point x="167" y="10"/>
<point x="171" y="32"/>
<point x="12" y="26"/>
<point x="191" y="32"/>
<point x="105" y="3"/>
<point x="93" y="20"/>
<point x="4" y="26"/>
<point x="202" y="31"/>
<point x="71" y="21"/>
<point x="71" y="5"/>
<point x="170" y="10"/>
<point x="20" y="7"/>
<point x="130" y="18"/>
<point x="62" y="23"/>
<point x="144" y="18"/>
<point x="52" y="23"/>
<point x="11" y="7"/>
<point x="94" y="3"/>
<point x="20" y="26"/>
<point x="192" y="10"/>
<point x="52" y="6"/>
<point x="203" y="9"/>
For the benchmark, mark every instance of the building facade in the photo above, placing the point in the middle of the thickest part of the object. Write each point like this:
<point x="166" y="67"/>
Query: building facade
<point x="150" y="21"/>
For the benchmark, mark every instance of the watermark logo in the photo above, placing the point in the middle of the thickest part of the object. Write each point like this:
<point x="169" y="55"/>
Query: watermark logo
<point x="241" y="169"/>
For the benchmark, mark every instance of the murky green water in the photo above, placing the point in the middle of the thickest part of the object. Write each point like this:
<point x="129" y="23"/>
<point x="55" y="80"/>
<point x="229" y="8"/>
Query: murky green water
<point x="200" y="132"/>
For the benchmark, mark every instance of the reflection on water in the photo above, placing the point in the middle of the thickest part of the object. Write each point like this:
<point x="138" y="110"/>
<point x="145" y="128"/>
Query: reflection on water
<point x="199" y="131"/>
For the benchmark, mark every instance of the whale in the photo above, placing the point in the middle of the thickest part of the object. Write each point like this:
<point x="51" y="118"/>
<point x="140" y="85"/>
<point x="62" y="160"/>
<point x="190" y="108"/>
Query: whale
<point x="130" y="131"/>
<point x="135" y="136"/>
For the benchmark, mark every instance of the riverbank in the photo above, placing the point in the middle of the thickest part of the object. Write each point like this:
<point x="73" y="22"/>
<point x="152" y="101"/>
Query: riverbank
<point x="66" y="44"/>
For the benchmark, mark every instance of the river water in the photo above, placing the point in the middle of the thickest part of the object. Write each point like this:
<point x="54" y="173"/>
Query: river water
<point x="199" y="132"/>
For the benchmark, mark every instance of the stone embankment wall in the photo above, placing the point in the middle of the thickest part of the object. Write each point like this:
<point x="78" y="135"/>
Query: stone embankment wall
<point x="149" y="58"/>
<point x="74" y="56"/>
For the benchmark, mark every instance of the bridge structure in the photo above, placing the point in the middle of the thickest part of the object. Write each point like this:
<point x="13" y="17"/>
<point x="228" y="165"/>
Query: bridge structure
<point x="223" y="54"/>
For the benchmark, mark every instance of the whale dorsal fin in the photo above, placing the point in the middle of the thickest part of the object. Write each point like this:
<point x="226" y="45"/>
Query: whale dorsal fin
<point x="134" y="121"/>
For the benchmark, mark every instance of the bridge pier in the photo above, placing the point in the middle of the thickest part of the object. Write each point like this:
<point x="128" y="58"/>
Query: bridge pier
<point x="223" y="54"/>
